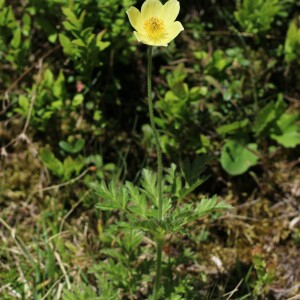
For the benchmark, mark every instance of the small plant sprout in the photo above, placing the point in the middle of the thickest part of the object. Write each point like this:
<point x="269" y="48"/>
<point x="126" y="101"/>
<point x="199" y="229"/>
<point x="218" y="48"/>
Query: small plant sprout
<point x="155" y="24"/>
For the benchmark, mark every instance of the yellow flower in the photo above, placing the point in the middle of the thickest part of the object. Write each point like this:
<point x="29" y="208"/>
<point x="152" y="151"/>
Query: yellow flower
<point x="155" y="24"/>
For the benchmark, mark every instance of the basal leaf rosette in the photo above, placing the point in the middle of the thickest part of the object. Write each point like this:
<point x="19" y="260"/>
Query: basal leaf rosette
<point x="155" y="24"/>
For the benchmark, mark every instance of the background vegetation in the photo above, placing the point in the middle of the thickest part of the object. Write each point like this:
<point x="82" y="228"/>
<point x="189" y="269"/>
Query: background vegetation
<point x="73" y="112"/>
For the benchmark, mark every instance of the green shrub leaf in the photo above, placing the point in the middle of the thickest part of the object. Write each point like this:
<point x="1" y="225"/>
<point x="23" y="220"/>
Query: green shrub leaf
<point x="237" y="158"/>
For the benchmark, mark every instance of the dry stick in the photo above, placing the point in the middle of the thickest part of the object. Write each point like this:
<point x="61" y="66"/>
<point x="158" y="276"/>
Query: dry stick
<point x="26" y="72"/>
<point x="57" y="186"/>
<point x="291" y="99"/>
<point x="4" y="287"/>
<point x="59" y="234"/>
<point x="22" y="277"/>
<point x="60" y="263"/>
<point x="33" y="97"/>
<point x="11" y="292"/>
<point x="59" y="290"/>
<point x="284" y="292"/>
<point x="296" y="297"/>
<point x="71" y="210"/>
<point x="52" y="287"/>
<point x="19" y="242"/>
<point x="22" y="135"/>
<point x="230" y="294"/>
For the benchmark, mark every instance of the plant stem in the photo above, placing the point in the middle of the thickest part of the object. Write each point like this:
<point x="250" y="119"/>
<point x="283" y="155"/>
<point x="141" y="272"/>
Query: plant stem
<point x="159" y="241"/>
<point x="155" y="133"/>
<point x="159" y="247"/>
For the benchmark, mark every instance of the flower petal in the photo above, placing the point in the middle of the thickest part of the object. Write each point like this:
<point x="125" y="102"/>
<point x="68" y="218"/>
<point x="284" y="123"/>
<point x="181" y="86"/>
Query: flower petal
<point x="138" y="36"/>
<point x="170" y="11"/>
<point x="146" y="40"/>
<point x="151" y="8"/>
<point x="173" y="30"/>
<point x="134" y="16"/>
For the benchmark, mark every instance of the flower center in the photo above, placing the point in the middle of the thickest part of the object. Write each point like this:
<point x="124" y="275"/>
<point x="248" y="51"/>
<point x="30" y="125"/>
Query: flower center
<point x="155" y="28"/>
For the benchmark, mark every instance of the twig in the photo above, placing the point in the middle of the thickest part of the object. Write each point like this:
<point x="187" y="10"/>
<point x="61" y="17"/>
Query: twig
<point x="283" y="292"/>
<point x="232" y="216"/>
<point x="60" y="234"/>
<point x="71" y="210"/>
<point x="52" y="287"/>
<point x="4" y="287"/>
<point x="22" y="135"/>
<point x="57" y="256"/>
<point x="59" y="290"/>
<point x="291" y="99"/>
<point x="58" y="186"/>
<point x="18" y="241"/>
<point x="296" y="297"/>
<point x="230" y="294"/>
<point x="33" y="96"/>
<point x="22" y="277"/>
<point x="27" y="71"/>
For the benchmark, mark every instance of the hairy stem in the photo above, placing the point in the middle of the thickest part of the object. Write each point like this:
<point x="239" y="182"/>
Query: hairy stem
<point x="155" y="133"/>
<point x="159" y="242"/>
<point x="159" y="248"/>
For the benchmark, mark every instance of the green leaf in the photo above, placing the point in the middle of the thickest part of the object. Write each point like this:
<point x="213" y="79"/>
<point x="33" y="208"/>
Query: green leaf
<point x="66" y="44"/>
<point x="72" y="148"/>
<point x="233" y="128"/>
<point x="182" y="215"/>
<point x="131" y="240"/>
<point x="89" y="105"/>
<point x="192" y="170"/>
<point x="77" y="100"/>
<point x="149" y="180"/>
<point x="24" y="104"/>
<point x="99" y="43"/>
<point x="237" y="158"/>
<point x="72" y="17"/>
<point x="190" y="212"/>
<point x="68" y="167"/>
<point x="79" y="42"/>
<point x="154" y="225"/>
<point x="97" y="115"/>
<point x="52" y="163"/>
<point x="181" y="90"/>
<point x="289" y="130"/>
<point x="292" y="42"/>
<point x="70" y="27"/>
<point x="26" y="20"/>
<point x="56" y="104"/>
<point x="138" y="200"/>
<point x="257" y="16"/>
<point x="113" y="253"/>
<point x="173" y="183"/>
<point x="268" y="114"/>
<point x="80" y="292"/>
<point x="113" y="197"/>
<point x="16" y="40"/>
<point x="48" y="78"/>
<point x="59" y="85"/>
<point x="190" y="188"/>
